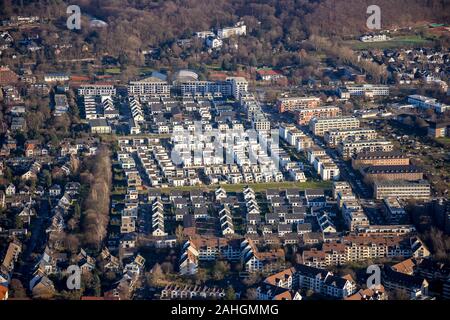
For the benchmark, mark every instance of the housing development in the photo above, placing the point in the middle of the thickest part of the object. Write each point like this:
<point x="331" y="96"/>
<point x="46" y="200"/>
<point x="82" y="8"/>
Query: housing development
<point x="192" y="168"/>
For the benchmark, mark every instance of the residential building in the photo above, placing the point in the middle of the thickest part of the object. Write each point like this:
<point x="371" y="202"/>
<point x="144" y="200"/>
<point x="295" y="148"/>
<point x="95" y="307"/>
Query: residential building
<point x="439" y="129"/>
<point x="334" y="137"/>
<point x="319" y="126"/>
<point x="56" y="77"/>
<point x="402" y="189"/>
<point x="239" y="29"/>
<point x="149" y="87"/>
<point x="304" y="116"/>
<point x="392" y="158"/>
<point x="99" y="126"/>
<point x="415" y="286"/>
<point x="350" y="149"/>
<point x="297" y="103"/>
<point x="409" y="173"/>
<point x="426" y="103"/>
<point x="354" y="248"/>
<point x="366" y="90"/>
<point x="97" y="89"/>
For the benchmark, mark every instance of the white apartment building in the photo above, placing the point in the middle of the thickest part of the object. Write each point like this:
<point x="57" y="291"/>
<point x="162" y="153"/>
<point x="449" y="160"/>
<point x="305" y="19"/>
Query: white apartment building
<point x="150" y="87"/>
<point x="195" y="87"/>
<point x="350" y="148"/>
<point x="239" y="85"/>
<point x="297" y="103"/>
<point x="90" y="108"/>
<point x="334" y="137"/>
<point x="97" y="89"/>
<point x="402" y="189"/>
<point x="329" y="171"/>
<point x="425" y="103"/>
<point x="319" y="126"/>
<point x="240" y="29"/>
<point x="367" y="90"/>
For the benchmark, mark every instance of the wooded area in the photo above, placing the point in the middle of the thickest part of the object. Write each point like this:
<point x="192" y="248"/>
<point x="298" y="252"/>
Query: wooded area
<point x="275" y="28"/>
<point x="96" y="206"/>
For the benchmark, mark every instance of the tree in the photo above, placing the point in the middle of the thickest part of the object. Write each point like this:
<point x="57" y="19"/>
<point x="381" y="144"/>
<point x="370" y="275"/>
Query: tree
<point x="43" y="293"/>
<point x="47" y="178"/>
<point x="221" y="268"/>
<point x="167" y="267"/>
<point x="309" y="293"/>
<point x="179" y="233"/>
<point x="252" y="279"/>
<point x="72" y="243"/>
<point x="19" y="223"/>
<point x="71" y="295"/>
<point x="96" y="205"/>
<point x="230" y="294"/>
<point x="155" y="276"/>
<point x="251" y="294"/>
<point x="92" y="284"/>
<point x="399" y="294"/>
<point x="201" y="276"/>
<point x="17" y="290"/>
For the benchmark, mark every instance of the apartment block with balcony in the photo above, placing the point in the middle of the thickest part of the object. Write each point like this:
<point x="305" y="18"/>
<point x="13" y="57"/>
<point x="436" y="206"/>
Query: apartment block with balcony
<point x="319" y="126"/>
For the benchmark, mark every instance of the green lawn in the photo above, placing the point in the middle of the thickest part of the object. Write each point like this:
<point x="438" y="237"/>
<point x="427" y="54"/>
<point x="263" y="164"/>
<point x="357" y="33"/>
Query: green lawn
<point x="258" y="187"/>
<point x="396" y="42"/>
<point x="113" y="71"/>
<point x="145" y="70"/>
<point x="445" y="141"/>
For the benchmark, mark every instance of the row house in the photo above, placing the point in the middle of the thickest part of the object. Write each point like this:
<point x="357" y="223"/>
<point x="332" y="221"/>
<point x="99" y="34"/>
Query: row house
<point x="319" y="281"/>
<point x="359" y="248"/>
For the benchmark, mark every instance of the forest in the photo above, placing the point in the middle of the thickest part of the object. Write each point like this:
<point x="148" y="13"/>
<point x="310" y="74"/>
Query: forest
<point x="276" y="28"/>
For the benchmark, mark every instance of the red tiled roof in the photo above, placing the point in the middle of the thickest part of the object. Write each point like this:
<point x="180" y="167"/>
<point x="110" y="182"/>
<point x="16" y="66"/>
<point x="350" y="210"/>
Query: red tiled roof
<point x="92" y="298"/>
<point x="3" y="292"/>
<point x="269" y="72"/>
<point x="7" y="76"/>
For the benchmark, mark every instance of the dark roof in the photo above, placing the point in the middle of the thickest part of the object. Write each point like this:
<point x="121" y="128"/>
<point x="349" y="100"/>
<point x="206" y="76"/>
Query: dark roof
<point x="403" y="279"/>
<point x="270" y="216"/>
<point x="295" y="216"/>
<point x="299" y="210"/>
<point x="285" y="227"/>
<point x="314" y="193"/>
<point x="335" y="281"/>
<point x="392" y="169"/>
<point x="201" y="210"/>
<point x="183" y="211"/>
<point x="304" y="226"/>
<point x="253" y="216"/>
<point x="281" y="209"/>
<point x="273" y="192"/>
<point x="293" y="192"/>
<point x="380" y="155"/>
<point x="196" y="193"/>
<point x="310" y="271"/>
<point x="176" y="193"/>
<point x="189" y="221"/>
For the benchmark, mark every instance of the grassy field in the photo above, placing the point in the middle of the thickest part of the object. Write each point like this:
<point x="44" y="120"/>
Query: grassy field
<point x="444" y="141"/>
<point x="145" y="70"/>
<point x="396" y="42"/>
<point x="114" y="71"/>
<point x="258" y="187"/>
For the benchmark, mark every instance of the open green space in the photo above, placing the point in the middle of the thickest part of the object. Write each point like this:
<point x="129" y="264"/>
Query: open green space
<point x="258" y="187"/>
<point x="113" y="71"/>
<point x="396" y="42"/>
<point x="445" y="141"/>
